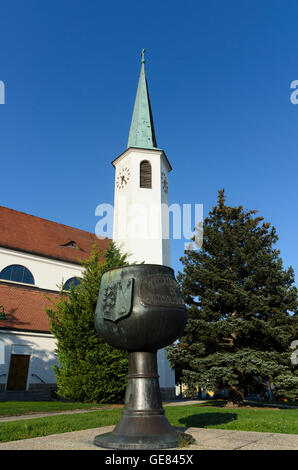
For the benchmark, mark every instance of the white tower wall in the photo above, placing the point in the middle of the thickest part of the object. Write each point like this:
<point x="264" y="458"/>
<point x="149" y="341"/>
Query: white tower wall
<point x="141" y="214"/>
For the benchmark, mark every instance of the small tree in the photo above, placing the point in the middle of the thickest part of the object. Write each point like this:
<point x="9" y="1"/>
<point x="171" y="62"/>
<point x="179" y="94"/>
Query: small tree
<point x="242" y="307"/>
<point x="89" y="369"/>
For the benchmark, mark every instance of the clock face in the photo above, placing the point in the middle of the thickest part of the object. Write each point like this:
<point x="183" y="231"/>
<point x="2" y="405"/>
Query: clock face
<point x="164" y="181"/>
<point x="123" y="178"/>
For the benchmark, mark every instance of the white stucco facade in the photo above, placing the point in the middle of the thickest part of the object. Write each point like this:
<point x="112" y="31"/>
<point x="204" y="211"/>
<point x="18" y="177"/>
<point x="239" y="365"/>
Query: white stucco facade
<point x="141" y="219"/>
<point x="48" y="273"/>
<point x="39" y="346"/>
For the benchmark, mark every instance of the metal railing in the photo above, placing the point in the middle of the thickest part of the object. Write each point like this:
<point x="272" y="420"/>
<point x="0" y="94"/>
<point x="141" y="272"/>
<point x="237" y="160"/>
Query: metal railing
<point x="35" y="375"/>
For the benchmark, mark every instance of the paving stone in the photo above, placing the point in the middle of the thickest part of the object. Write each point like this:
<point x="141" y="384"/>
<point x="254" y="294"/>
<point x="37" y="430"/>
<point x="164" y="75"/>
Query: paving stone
<point x="206" y="439"/>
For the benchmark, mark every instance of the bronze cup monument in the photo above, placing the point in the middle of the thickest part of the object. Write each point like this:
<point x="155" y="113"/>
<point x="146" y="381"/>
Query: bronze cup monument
<point x="140" y="309"/>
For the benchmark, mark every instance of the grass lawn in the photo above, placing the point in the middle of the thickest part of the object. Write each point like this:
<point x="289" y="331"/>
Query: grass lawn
<point x="11" y="408"/>
<point x="36" y="427"/>
<point x="276" y="420"/>
<point x="205" y="415"/>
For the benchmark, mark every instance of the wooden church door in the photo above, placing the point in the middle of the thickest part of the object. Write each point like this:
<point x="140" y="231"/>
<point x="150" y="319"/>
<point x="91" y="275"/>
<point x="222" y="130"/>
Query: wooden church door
<point x="18" y="372"/>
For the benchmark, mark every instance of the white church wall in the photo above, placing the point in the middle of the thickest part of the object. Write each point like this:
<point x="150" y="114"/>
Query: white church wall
<point x="47" y="273"/>
<point x="166" y="247"/>
<point x="166" y="374"/>
<point x="39" y="346"/>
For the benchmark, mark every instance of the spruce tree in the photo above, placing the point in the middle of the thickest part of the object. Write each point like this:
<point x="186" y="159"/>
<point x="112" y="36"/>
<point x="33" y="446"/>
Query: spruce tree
<point x="89" y="369"/>
<point x="242" y="308"/>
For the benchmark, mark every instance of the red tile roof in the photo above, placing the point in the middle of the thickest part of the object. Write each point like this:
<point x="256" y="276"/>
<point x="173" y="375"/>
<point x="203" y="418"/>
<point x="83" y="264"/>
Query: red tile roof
<point x="43" y="237"/>
<point x="25" y="308"/>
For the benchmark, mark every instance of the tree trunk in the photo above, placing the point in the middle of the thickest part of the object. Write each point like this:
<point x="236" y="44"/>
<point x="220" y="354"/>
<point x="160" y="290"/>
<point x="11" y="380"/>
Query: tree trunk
<point x="270" y="388"/>
<point x="236" y="397"/>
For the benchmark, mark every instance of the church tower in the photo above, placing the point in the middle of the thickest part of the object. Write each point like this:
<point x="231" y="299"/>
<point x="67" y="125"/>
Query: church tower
<point x="141" y="219"/>
<point x="141" y="216"/>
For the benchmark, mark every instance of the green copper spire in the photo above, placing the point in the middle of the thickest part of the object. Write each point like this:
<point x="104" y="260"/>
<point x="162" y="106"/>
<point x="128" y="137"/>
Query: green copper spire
<point x="141" y="133"/>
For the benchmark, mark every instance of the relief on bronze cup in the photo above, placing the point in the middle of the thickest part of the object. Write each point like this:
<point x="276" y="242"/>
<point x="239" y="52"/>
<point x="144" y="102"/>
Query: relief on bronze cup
<point x="116" y="299"/>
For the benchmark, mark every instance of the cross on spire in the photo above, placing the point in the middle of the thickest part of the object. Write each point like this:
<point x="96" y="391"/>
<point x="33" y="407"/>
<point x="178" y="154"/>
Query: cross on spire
<point x="143" y="56"/>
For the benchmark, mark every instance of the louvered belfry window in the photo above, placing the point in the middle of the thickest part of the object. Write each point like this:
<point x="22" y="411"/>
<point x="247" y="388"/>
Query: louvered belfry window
<point x="145" y="175"/>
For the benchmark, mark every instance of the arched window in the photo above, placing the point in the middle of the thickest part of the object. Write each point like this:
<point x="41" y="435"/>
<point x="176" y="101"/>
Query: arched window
<point x="17" y="273"/>
<point x="145" y="174"/>
<point x="72" y="282"/>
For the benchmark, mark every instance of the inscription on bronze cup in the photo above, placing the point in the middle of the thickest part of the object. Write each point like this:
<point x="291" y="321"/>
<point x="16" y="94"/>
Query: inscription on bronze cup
<point x="160" y="290"/>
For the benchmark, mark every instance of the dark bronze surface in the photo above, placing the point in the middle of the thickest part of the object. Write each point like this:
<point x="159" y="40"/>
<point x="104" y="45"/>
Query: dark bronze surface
<point x="140" y="309"/>
<point x="157" y="316"/>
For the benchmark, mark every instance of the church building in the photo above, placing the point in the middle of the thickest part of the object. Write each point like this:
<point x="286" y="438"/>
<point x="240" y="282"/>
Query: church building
<point x="37" y="255"/>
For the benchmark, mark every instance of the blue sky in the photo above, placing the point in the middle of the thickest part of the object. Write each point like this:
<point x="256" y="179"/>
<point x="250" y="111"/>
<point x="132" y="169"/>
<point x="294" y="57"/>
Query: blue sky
<point x="219" y="76"/>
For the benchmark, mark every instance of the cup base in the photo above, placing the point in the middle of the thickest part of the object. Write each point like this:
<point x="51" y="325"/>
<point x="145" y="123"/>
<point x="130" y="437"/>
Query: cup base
<point x="111" y="440"/>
